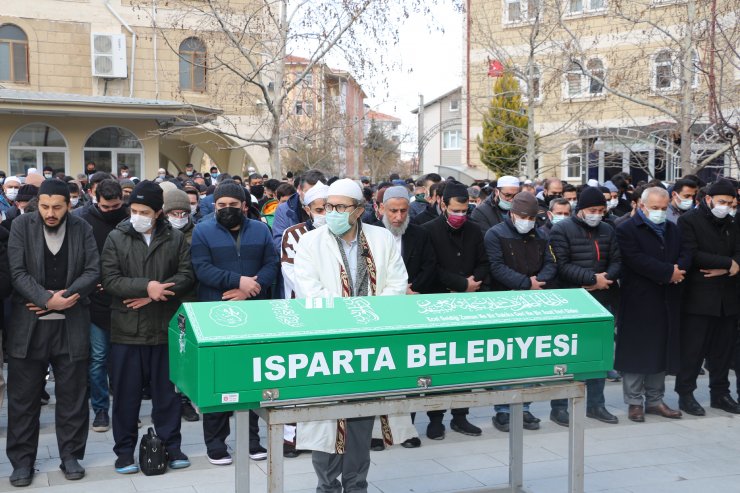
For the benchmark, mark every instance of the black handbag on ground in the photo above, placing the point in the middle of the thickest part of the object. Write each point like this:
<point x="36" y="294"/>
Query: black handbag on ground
<point x="152" y="454"/>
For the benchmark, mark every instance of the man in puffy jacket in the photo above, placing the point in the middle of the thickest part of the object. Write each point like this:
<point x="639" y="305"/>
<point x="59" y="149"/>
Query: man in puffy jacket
<point x="146" y="270"/>
<point x="493" y="210"/>
<point x="587" y="255"/>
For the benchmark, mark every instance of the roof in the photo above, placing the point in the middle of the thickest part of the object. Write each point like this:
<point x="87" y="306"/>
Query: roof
<point x="439" y="98"/>
<point x="12" y="100"/>
<point x="381" y="117"/>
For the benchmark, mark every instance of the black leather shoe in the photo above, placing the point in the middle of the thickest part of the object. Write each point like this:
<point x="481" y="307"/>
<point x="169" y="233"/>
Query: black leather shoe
<point x="501" y="422"/>
<point x="377" y="445"/>
<point x="560" y="417"/>
<point x="530" y="421"/>
<point x="688" y="404"/>
<point x="411" y="443"/>
<point x="436" y="430"/>
<point x="461" y="424"/>
<point x="726" y="403"/>
<point x="602" y="415"/>
<point x="72" y="469"/>
<point x="21" y="476"/>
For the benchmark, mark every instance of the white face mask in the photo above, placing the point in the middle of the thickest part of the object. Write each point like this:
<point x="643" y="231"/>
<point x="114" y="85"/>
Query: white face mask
<point x="193" y="208"/>
<point x="48" y="176"/>
<point x="556" y="219"/>
<point x="656" y="217"/>
<point x="685" y="204"/>
<point x="611" y="204"/>
<point x="720" y="211"/>
<point x="573" y="204"/>
<point x="178" y="222"/>
<point x="124" y="174"/>
<point x="141" y="224"/>
<point x="74" y="201"/>
<point x="523" y="226"/>
<point x="319" y="220"/>
<point x="11" y="193"/>
<point x="592" y="220"/>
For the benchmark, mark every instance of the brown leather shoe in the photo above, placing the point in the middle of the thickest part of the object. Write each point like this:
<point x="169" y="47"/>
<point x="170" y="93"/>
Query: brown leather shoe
<point x="663" y="410"/>
<point x="636" y="413"/>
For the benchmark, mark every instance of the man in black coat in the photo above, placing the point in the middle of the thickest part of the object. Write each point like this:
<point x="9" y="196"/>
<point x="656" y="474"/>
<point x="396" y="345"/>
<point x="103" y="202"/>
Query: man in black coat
<point x="103" y="215"/>
<point x="461" y="266"/>
<point x="520" y="259"/>
<point x="653" y="268"/>
<point x="54" y="266"/>
<point x="710" y="308"/>
<point x="5" y="289"/>
<point x="587" y="255"/>
<point x="493" y="210"/>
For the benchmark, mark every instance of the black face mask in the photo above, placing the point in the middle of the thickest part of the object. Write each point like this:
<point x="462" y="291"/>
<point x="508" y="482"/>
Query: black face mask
<point x="257" y="191"/>
<point x="229" y="217"/>
<point x="115" y="216"/>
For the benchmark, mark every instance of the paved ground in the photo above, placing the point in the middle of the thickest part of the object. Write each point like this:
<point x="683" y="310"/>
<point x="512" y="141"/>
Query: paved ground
<point x="689" y="455"/>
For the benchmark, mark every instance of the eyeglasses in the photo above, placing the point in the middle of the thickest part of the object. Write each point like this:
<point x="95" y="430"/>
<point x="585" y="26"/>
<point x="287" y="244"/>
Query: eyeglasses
<point x="338" y="207"/>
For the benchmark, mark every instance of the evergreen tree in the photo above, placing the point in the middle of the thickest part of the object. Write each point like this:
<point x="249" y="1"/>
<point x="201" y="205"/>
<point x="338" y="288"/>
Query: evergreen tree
<point x="504" y="139"/>
<point x="380" y="154"/>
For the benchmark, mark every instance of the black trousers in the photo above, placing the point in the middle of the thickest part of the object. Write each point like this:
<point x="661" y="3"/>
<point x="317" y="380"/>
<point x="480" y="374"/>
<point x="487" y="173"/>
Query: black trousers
<point x="463" y="411"/>
<point x="25" y="382"/>
<point x="132" y="367"/>
<point x="216" y="430"/>
<point x="707" y="337"/>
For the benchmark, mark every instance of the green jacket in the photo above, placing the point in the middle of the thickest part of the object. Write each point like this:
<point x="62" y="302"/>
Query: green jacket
<point x="128" y="265"/>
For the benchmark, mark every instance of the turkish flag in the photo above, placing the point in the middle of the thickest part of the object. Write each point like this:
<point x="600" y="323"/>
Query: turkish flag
<point x="495" y="68"/>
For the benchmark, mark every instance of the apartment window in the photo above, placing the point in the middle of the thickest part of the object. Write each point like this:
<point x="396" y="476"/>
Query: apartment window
<point x="452" y="140"/>
<point x="574" y="80"/>
<point x="595" y="68"/>
<point x="520" y="10"/>
<point x="454" y="105"/>
<point x="309" y="109"/>
<point x="36" y="146"/>
<point x="308" y="80"/>
<point x="573" y="162"/>
<point x="13" y="54"/>
<point x="664" y="78"/>
<point x="193" y="65"/>
<point x="535" y="80"/>
<point x="299" y="107"/>
<point x="581" y="6"/>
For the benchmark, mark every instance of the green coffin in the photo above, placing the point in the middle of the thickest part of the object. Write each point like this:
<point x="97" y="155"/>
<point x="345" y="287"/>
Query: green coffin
<point x="230" y="355"/>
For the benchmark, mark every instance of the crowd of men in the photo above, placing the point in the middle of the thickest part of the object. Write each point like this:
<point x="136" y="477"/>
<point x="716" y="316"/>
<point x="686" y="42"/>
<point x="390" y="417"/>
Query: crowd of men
<point x="92" y="269"/>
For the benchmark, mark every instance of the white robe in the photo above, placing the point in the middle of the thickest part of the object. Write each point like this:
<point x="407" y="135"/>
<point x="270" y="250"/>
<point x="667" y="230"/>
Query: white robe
<point x="317" y="275"/>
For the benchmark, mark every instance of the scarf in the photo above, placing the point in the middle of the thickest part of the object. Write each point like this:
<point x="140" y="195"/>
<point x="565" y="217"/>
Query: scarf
<point x="658" y="228"/>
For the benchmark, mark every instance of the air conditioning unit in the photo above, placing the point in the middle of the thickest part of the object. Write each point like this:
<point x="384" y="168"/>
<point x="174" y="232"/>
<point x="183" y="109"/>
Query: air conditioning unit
<point x="109" y="56"/>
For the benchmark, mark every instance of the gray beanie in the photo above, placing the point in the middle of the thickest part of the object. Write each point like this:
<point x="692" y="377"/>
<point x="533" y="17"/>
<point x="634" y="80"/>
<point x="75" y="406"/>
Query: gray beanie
<point x="396" y="192"/>
<point x="176" y="200"/>
<point x="229" y="188"/>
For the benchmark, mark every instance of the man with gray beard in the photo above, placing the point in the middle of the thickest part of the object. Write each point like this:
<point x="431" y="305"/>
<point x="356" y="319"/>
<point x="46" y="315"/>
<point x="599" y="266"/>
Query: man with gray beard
<point x="413" y="240"/>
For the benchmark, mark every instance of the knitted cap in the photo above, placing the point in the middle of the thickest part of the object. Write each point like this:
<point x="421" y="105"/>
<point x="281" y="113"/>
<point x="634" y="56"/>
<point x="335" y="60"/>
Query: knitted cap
<point x="396" y="193"/>
<point x="591" y="197"/>
<point x="148" y="193"/>
<point x="455" y="190"/>
<point x="722" y="187"/>
<point x="525" y="204"/>
<point x="229" y="189"/>
<point x="176" y="200"/>
<point x="27" y="192"/>
<point x="54" y="187"/>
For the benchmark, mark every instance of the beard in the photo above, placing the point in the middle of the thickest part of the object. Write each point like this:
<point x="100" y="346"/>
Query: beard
<point x="396" y="230"/>
<point x="55" y="228"/>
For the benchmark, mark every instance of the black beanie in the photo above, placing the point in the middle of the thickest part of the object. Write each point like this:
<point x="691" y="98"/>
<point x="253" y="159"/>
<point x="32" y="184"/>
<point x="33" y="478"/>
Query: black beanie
<point x="720" y="187"/>
<point x="229" y="189"/>
<point x="148" y="193"/>
<point x="54" y="187"/>
<point x="591" y="197"/>
<point x="27" y="192"/>
<point x="455" y="190"/>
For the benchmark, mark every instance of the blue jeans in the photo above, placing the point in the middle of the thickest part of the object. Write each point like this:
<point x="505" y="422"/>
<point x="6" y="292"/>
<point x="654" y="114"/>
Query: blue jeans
<point x="504" y="408"/>
<point x="98" y="374"/>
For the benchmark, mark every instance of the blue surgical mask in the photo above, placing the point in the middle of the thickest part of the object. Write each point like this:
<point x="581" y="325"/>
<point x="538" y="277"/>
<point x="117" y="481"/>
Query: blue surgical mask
<point x="656" y="217"/>
<point x="685" y="204"/>
<point x="504" y="204"/>
<point x="557" y="219"/>
<point x="338" y="222"/>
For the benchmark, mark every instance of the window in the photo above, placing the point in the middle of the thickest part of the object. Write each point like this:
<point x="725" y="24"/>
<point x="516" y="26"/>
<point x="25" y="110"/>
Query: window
<point x="664" y="78"/>
<point x="595" y="68"/>
<point x="308" y="80"/>
<point x="299" y="107"/>
<point x="573" y="162"/>
<point x="520" y="10"/>
<point x="36" y="146"/>
<point x="309" y="109"/>
<point x="13" y="54"/>
<point x="112" y="147"/>
<point x="588" y="82"/>
<point x="193" y="65"/>
<point x="581" y="6"/>
<point x="452" y="140"/>
<point x="454" y="104"/>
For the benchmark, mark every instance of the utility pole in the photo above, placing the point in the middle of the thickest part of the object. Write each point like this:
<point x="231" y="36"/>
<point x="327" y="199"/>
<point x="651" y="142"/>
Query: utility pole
<point x="420" y="134"/>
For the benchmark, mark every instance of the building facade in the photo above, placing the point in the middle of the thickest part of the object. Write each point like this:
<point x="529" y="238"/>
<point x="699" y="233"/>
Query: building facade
<point x="610" y="86"/>
<point x="82" y="80"/>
